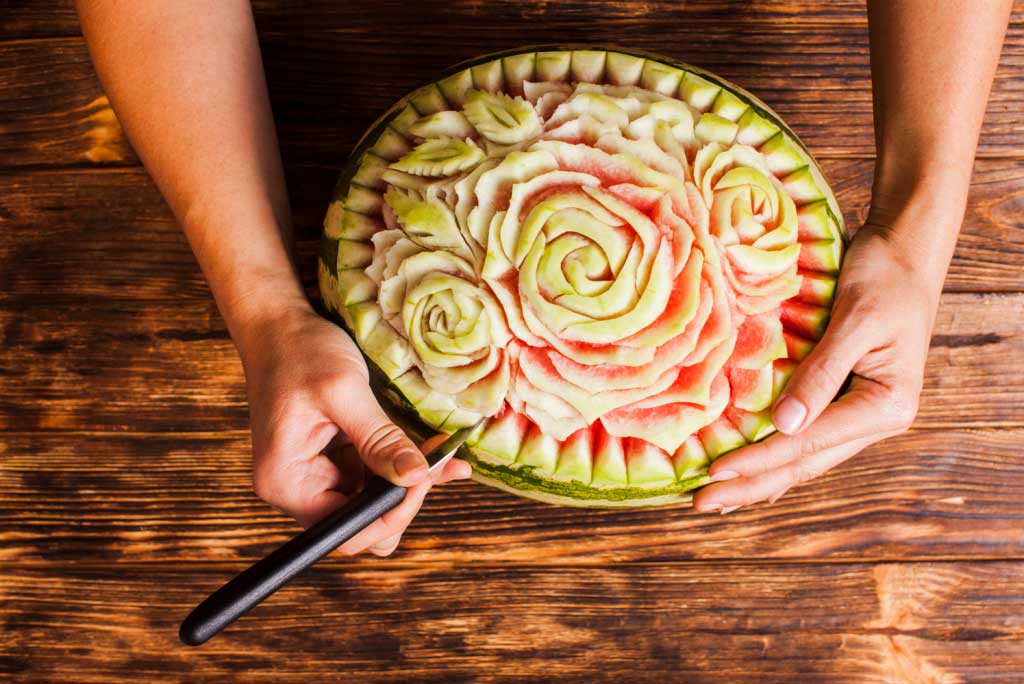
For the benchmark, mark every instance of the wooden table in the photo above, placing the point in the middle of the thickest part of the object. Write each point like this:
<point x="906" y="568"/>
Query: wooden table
<point x="125" y="491"/>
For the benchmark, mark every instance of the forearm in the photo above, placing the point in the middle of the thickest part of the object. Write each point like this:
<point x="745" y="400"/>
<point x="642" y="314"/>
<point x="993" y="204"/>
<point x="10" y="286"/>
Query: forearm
<point x="932" y="66"/>
<point x="186" y="80"/>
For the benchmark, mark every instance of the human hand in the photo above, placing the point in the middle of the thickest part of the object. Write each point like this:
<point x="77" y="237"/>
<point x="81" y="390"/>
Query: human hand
<point x="317" y="428"/>
<point x="880" y="330"/>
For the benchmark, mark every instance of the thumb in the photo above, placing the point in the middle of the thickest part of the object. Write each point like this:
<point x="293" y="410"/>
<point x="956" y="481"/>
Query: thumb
<point x="818" y="378"/>
<point x="382" y="445"/>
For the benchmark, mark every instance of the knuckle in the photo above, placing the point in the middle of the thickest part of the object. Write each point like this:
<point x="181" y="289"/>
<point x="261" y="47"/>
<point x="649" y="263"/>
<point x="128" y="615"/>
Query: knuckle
<point x="259" y="488"/>
<point x="265" y="491"/>
<point x="901" y="410"/>
<point x="386" y="547"/>
<point x="825" y="378"/>
<point x="812" y="444"/>
<point x="803" y="472"/>
<point x="395" y="522"/>
<point x="857" y="301"/>
<point x="263" y="484"/>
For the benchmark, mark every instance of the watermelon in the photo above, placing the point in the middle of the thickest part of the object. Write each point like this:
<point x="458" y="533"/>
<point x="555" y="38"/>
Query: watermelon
<point x="612" y="260"/>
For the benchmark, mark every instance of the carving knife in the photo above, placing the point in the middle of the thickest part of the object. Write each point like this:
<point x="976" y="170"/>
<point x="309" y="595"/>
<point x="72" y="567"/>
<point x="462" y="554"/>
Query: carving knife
<point x="266" y="576"/>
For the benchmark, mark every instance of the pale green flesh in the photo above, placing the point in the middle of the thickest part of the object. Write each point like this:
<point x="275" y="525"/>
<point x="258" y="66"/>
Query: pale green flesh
<point x="542" y="474"/>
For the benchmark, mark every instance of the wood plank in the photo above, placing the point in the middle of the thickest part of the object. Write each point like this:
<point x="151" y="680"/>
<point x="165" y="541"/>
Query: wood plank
<point x="58" y="19"/>
<point x="119" y="366"/>
<point x="168" y="367"/>
<point x="737" y="623"/>
<point x="823" y="92"/>
<point x="131" y="498"/>
<point x="53" y="19"/>
<point x="327" y="87"/>
<point x="110" y="233"/>
<point x="962" y="385"/>
<point x="53" y="111"/>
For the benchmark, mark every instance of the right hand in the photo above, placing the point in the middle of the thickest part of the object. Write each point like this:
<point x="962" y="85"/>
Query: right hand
<point x="317" y="428"/>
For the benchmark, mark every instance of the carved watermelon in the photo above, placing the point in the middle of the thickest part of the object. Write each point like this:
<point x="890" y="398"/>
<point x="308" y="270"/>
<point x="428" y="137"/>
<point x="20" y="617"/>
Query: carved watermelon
<point x="615" y="259"/>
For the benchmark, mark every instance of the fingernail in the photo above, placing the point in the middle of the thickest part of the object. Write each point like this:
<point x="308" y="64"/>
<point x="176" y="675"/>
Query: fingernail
<point x="410" y="464"/>
<point x="789" y="414"/>
<point x="729" y="509"/>
<point x="723" y="475"/>
<point x="710" y="508"/>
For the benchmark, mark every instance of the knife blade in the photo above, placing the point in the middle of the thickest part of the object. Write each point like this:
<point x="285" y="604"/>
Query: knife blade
<point x="263" y="578"/>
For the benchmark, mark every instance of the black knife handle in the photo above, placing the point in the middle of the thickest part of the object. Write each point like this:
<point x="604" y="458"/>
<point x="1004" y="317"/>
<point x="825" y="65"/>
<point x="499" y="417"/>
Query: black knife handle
<point x="268" y="575"/>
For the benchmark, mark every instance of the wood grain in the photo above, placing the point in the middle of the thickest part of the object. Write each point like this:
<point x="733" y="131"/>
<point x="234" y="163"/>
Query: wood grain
<point x="58" y="18"/>
<point x="108" y="498"/>
<point x="328" y="86"/>
<point x="742" y="623"/>
<point x="160" y="366"/>
<point x="106" y="234"/>
<point x="109" y="234"/>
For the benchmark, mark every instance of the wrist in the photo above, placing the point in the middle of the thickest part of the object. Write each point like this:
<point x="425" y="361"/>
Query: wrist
<point x="922" y="237"/>
<point x="933" y="180"/>
<point x="257" y="314"/>
<point x="920" y="213"/>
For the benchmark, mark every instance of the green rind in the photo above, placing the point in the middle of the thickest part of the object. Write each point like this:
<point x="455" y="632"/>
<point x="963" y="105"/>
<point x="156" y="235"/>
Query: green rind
<point x="523" y="482"/>
<point x="329" y="255"/>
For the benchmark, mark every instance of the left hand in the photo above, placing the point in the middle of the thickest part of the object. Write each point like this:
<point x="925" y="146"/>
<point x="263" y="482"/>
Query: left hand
<point x="880" y="330"/>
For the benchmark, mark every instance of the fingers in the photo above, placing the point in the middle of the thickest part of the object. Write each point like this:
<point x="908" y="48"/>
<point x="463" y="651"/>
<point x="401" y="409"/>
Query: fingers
<point x="308" y="488"/>
<point x="311" y="510"/>
<point x="868" y="413"/>
<point x="455" y="469"/>
<point x="382" y="445"/>
<point x="432" y="442"/>
<point x="351" y="469"/>
<point x="858" y="414"/>
<point x="743" y="491"/>
<point x="385" y="547"/>
<point x="869" y="409"/>
<point x="304" y="487"/>
<point x="389" y="525"/>
<point x="382" y="537"/>
<point x="819" y="377"/>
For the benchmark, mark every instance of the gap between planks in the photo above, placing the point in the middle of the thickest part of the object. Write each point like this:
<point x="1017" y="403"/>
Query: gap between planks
<point x="385" y="565"/>
<point x="860" y="22"/>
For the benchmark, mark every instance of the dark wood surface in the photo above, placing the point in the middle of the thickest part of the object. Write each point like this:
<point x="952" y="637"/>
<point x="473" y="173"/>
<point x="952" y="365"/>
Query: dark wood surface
<point x="706" y="622"/>
<point x="125" y="490"/>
